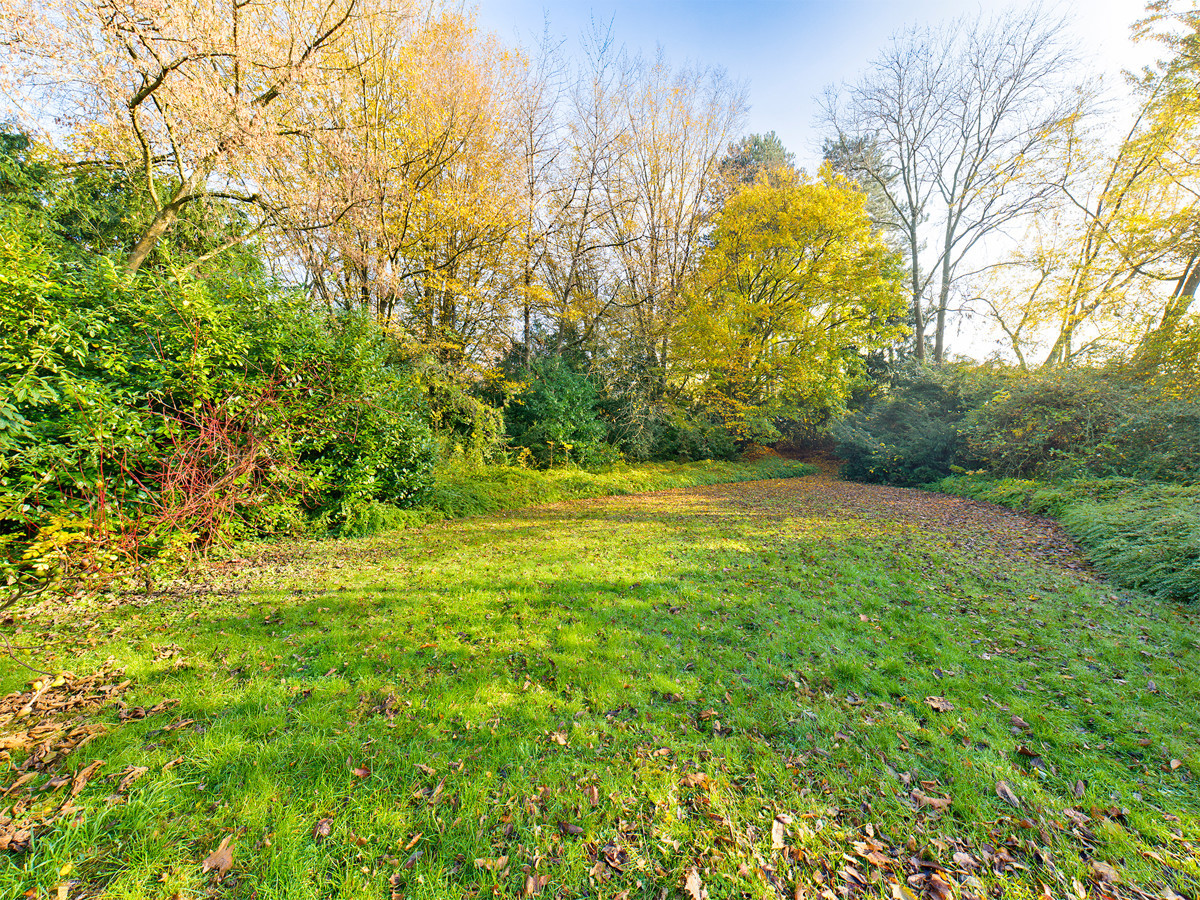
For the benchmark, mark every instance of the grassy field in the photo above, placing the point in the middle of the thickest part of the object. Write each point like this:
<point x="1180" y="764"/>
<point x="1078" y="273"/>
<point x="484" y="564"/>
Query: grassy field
<point x="795" y="688"/>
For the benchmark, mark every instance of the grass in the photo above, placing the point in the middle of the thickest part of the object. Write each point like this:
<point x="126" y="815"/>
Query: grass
<point x="607" y="698"/>
<point x="460" y="491"/>
<point x="1144" y="536"/>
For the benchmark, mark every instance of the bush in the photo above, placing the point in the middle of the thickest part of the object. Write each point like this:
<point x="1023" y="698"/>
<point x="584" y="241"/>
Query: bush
<point x="689" y="436"/>
<point x="1079" y="422"/>
<point x="554" y="415"/>
<point x="908" y="436"/>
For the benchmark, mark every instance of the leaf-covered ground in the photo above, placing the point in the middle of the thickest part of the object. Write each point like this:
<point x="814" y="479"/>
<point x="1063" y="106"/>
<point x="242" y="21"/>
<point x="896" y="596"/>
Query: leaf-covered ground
<point x="795" y="688"/>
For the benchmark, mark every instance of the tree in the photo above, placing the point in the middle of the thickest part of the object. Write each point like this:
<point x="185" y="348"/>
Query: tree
<point x="950" y="122"/>
<point x="419" y="187"/>
<point x="679" y="121"/>
<point x="201" y="99"/>
<point x="751" y="157"/>
<point x="1111" y="266"/>
<point x="793" y="290"/>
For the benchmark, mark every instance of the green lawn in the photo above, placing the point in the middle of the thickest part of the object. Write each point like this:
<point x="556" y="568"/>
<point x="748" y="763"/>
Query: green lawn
<point x="771" y="689"/>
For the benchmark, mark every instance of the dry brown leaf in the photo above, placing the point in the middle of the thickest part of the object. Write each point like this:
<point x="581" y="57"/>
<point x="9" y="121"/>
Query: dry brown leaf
<point x="936" y="803"/>
<point x="941" y="704"/>
<point x="695" y="779"/>
<point x="220" y="860"/>
<point x="1103" y="872"/>
<point x="79" y="782"/>
<point x="558" y="737"/>
<point x="1076" y="816"/>
<point x="497" y="865"/>
<point x="1005" y="793"/>
<point x="593" y="794"/>
<point x="693" y="886"/>
<point x="939" y="888"/>
<point x="129" y="776"/>
<point x="534" y="884"/>
<point x="322" y="829"/>
<point x="1019" y="723"/>
<point x="569" y="829"/>
<point x="779" y="832"/>
<point x="1079" y="789"/>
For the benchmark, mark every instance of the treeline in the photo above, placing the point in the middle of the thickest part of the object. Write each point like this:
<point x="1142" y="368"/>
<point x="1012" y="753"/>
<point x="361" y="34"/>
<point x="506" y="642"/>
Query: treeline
<point x="271" y="268"/>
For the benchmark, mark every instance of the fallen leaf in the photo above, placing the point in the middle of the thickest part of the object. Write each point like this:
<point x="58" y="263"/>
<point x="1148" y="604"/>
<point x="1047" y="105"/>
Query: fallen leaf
<point x="1079" y="818"/>
<point x="693" y="886"/>
<point x="322" y="828"/>
<point x="79" y="782"/>
<point x="131" y="774"/>
<point x="1005" y="793"/>
<point x="558" y="737"/>
<point x="593" y="794"/>
<point x="1079" y="789"/>
<point x="1018" y="722"/>
<point x="499" y="864"/>
<point x="936" y="803"/>
<point x="1176" y="763"/>
<point x="941" y="704"/>
<point x="534" y="884"/>
<point x="778" y="833"/>
<point x="360" y="772"/>
<point x="220" y="860"/>
<point x="939" y="888"/>
<point x="412" y="860"/>
<point x="965" y="860"/>
<point x="569" y="829"/>
<point x="1103" y="872"/>
<point x="694" y="779"/>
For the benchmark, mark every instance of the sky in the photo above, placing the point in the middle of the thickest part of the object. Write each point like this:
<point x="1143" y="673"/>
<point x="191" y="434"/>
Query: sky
<point x="788" y="51"/>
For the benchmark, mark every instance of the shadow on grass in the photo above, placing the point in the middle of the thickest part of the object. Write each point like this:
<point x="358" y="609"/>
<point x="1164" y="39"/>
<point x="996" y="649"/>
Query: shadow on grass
<point x="489" y="687"/>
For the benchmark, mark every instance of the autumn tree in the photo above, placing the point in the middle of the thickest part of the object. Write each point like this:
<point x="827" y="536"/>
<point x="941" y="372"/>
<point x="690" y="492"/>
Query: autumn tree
<point x="1110" y="267"/>
<point x="418" y="186"/>
<point x="680" y="121"/>
<point x="199" y="100"/>
<point x="794" y="289"/>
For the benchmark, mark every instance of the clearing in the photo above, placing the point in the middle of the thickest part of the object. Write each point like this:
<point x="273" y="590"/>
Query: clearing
<point x="790" y="688"/>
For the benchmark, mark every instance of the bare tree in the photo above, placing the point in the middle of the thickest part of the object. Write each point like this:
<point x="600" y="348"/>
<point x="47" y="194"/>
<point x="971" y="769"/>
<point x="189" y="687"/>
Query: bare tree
<point x="960" y="115"/>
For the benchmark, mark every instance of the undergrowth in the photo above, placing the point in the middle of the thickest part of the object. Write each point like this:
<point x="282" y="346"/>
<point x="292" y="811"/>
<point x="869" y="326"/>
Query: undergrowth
<point x="1142" y="535"/>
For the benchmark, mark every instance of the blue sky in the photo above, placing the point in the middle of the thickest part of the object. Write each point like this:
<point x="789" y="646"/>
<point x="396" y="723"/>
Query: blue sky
<point x="789" y="50"/>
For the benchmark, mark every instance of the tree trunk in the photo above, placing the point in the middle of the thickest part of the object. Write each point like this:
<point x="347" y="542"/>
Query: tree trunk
<point x="162" y="222"/>
<point x="939" y="337"/>
<point x="1151" y="348"/>
<point x="918" y="312"/>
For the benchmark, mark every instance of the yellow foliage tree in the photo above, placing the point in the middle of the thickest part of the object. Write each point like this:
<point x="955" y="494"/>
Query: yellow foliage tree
<point x="793" y="292"/>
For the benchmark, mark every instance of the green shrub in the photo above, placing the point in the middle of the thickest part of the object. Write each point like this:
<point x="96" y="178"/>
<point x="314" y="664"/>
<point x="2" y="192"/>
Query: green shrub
<point x="908" y="436"/>
<point x="1079" y="422"/>
<point x="690" y="436"/>
<point x="554" y="415"/>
